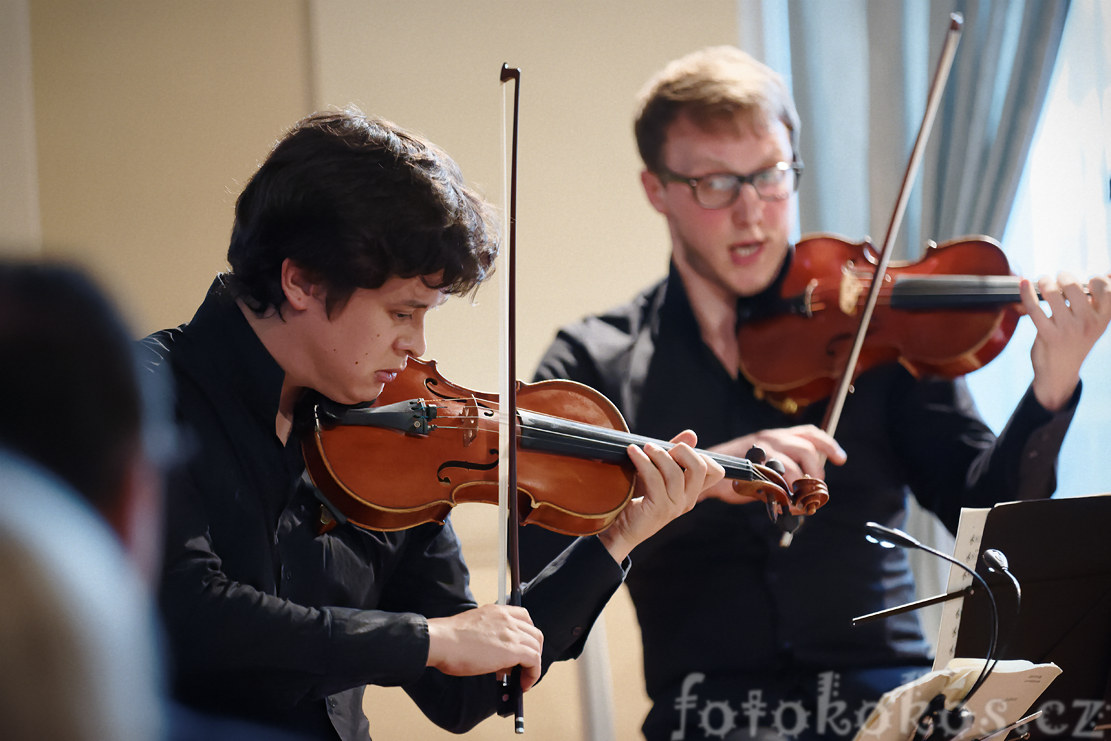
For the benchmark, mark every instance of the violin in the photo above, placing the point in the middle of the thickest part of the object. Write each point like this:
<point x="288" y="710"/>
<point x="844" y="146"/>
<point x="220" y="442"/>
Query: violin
<point x="947" y="314"/>
<point x="427" y="444"/>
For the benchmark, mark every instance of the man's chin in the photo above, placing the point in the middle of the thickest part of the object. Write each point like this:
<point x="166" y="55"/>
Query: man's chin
<point x="359" y="396"/>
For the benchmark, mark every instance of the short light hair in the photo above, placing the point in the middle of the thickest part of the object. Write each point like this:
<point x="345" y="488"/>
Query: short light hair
<point x="716" y="86"/>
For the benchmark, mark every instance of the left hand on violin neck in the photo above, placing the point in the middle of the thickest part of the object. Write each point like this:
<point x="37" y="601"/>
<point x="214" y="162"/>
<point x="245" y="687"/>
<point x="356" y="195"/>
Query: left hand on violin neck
<point x="669" y="484"/>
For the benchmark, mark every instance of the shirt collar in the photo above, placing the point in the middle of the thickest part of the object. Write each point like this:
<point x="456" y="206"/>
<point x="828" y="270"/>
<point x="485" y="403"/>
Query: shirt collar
<point x="768" y="302"/>
<point x="239" y="356"/>
<point x="676" y="303"/>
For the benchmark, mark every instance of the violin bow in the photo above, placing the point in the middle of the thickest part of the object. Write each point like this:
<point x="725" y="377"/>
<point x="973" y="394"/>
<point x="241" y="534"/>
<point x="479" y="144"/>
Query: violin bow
<point x="509" y="517"/>
<point x="937" y="89"/>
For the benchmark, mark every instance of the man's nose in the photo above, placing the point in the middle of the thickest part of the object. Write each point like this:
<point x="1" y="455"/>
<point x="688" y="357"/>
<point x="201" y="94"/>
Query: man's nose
<point x="413" y="342"/>
<point x="748" y="206"/>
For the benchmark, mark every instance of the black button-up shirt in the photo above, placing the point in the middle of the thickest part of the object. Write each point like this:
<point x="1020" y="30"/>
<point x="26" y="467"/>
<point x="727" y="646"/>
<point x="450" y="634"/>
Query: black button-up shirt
<point x="272" y="621"/>
<point x="714" y="592"/>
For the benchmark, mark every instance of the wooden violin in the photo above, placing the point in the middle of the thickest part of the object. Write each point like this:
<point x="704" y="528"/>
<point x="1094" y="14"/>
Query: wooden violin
<point x="945" y="315"/>
<point x="427" y="444"/>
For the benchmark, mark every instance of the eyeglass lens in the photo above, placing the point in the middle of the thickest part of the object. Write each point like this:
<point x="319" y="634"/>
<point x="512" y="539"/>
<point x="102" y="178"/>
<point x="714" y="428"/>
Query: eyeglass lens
<point x="722" y="189"/>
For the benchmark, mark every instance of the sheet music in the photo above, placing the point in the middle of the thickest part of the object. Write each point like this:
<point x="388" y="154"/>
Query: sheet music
<point x="1004" y="697"/>
<point x="970" y="531"/>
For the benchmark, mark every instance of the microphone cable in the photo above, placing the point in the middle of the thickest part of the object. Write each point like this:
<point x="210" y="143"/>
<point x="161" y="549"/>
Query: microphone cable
<point x="889" y="537"/>
<point x="994" y="559"/>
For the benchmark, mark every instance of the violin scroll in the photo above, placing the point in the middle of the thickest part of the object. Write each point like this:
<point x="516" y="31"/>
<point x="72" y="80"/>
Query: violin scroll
<point x="805" y="497"/>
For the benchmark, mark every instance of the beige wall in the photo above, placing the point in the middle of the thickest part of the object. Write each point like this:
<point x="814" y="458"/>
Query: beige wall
<point x="150" y="116"/>
<point x="19" y="193"/>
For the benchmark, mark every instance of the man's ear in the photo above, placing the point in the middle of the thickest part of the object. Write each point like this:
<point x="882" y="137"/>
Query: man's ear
<point x="654" y="189"/>
<point x="298" y="286"/>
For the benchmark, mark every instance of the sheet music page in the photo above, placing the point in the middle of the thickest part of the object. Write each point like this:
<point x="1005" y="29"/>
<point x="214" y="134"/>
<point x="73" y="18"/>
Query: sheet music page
<point x="970" y="531"/>
<point x="1005" y="696"/>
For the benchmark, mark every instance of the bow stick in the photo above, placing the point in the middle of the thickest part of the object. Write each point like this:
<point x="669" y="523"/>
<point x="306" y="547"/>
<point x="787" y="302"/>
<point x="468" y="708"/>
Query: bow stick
<point x="933" y="102"/>
<point x="937" y="88"/>
<point x="509" y="516"/>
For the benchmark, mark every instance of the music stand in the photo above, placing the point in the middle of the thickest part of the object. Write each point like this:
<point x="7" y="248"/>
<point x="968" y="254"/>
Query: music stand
<point x="1060" y="551"/>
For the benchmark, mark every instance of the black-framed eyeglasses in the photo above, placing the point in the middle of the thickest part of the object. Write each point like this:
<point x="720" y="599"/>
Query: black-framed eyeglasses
<point x="721" y="189"/>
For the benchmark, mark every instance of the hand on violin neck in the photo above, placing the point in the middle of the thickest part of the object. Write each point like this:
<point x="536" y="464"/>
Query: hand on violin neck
<point x="801" y="449"/>
<point x="485" y="640"/>
<point x="668" y="484"/>
<point x="1076" y="319"/>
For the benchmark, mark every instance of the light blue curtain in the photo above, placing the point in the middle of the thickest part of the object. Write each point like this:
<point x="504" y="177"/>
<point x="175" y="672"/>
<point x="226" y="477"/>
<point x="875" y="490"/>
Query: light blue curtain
<point x="984" y="130"/>
<point x="1062" y="221"/>
<point x="861" y="73"/>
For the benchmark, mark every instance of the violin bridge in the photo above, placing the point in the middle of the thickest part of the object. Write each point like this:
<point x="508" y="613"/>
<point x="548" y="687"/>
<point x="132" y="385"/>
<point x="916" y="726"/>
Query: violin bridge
<point x="469" y="421"/>
<point x="848" y="298"/>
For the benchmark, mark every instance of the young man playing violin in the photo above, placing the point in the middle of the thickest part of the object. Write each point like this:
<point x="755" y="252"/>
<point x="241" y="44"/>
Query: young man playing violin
<point x="738" y="632"/>
<point x="348" y="235"/>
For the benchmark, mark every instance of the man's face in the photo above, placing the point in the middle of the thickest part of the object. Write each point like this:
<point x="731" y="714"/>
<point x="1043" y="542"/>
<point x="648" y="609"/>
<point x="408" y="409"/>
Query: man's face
<point x="364" y="345"/>
<point x="738" y="249"/>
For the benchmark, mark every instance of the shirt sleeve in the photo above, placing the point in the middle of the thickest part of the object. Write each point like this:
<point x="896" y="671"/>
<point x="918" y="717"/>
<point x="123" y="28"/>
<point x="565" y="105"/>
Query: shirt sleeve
<point x="567" y="357"/>
<point x="563" y="600"/>
<point x="955" y="460"/>
<point x="567" y="596"/>
<point x="234" y="639"/>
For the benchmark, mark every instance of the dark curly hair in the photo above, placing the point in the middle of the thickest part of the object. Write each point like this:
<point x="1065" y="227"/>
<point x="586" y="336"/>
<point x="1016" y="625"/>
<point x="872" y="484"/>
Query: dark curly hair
<point x="355" y="201"/>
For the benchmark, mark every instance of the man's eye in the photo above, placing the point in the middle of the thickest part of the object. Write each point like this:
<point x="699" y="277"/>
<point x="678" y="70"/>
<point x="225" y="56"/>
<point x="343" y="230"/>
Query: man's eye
<point x="721" y="183"/>
<point x="771" y="176"/>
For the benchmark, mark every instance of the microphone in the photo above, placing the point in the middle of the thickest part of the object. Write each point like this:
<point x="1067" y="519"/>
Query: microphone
<point x="995" y="560"/>
<point x="881" y="534"/>
<point x="936" y="715"/>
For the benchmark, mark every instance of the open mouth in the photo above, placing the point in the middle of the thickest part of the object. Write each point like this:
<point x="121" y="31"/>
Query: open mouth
<point x="745" y="250"/>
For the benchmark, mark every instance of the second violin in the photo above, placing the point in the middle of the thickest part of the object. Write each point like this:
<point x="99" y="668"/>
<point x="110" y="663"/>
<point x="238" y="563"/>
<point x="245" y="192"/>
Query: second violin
<point x="945" y="315"/>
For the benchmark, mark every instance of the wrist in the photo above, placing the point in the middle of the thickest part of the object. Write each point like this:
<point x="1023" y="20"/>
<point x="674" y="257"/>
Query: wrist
<point x="436" y="639"/>
<point x="1054" y="399"/>
<point x="617" y="546"/>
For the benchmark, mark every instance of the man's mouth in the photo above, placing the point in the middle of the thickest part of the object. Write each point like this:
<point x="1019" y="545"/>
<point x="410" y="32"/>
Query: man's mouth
<point x="745" y="249"/>
<point x="386" y="376"/>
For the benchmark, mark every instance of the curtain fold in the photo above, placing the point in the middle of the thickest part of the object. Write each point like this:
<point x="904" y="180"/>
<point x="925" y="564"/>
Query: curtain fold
<point x="861" y="73"/>
<point x="998" y="87"/>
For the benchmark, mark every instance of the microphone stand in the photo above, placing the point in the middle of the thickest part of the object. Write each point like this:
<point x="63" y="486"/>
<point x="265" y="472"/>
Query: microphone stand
<point x="911" y="606"/>
<point x="938" y="723"/>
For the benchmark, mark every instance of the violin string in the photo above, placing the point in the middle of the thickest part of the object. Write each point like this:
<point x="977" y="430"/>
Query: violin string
<point x="585" y="435"/>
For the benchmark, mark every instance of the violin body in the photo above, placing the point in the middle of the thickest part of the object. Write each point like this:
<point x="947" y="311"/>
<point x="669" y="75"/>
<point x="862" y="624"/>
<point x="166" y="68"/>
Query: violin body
<point x="945" y="315"/>
<point x="386" y="479"/>
<point x="427" y="445"/>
